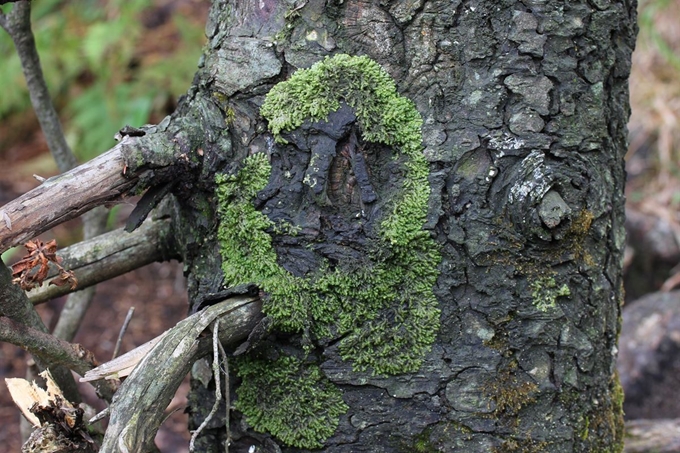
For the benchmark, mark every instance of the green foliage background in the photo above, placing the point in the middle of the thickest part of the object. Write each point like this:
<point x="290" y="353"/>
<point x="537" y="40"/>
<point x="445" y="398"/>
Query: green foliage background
<point x="103" y="66"/>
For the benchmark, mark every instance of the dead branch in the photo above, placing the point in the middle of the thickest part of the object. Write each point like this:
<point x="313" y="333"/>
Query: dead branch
<point x="50" y="348"/>
<point x="109" y="255"/>
<point x="15" y="305"/>
<point x="65" y="197"/>
<point x="137" y="409"/>
<point x="652" y="436"/>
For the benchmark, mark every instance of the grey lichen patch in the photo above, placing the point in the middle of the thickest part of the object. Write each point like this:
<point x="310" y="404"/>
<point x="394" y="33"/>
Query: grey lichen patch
<point x="535" y="179"/>
<point x="241" y="63"/>
<point x="383" y="311"/>
<point x="544" y="292"/>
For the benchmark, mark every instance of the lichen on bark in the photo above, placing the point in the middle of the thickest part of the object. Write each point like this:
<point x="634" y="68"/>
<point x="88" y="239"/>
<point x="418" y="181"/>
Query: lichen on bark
<point x="382" y="310"/>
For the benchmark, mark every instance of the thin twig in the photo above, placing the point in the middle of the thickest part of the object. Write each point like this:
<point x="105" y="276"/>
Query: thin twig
<point x="123" y="329"/>
<point x="71" y="316"/>
<point x="227" y="411"/>
<point x="18" y="26"/>
<point x="218" y="385"/>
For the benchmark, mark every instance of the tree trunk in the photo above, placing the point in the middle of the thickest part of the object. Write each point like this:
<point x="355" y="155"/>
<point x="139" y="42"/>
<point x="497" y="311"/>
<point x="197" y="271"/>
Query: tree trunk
<point x="455" y="291"/>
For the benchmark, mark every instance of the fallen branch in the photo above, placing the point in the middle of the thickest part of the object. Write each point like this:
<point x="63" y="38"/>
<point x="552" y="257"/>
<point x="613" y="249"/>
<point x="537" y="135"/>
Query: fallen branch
<point x="138" y="406"/>
<point x="109" y="255"/>
<point x="652" y="436"/>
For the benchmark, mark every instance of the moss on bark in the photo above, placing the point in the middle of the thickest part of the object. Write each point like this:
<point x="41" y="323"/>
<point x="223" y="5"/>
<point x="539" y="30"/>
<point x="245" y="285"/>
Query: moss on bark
<point x="383" y="310"/>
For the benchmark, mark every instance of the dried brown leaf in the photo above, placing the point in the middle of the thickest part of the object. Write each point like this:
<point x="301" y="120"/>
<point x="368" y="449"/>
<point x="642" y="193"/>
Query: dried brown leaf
<point x="32" y="270"/>
<point x="65" y="277"/>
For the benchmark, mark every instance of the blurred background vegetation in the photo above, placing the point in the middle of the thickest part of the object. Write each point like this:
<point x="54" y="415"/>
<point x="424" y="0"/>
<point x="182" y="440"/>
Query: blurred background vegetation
<point x="107" y="64"/>
<point x="653" y="158"/>
<point x="654" y="151"/>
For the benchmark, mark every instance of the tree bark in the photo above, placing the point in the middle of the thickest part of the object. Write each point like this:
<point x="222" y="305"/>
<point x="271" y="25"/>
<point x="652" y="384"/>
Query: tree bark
<point x="450" y="285"/>
<point x="524" y="109"/>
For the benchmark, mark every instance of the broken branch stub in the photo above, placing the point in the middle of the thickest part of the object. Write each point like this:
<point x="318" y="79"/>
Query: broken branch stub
<point x="65" y="197"/>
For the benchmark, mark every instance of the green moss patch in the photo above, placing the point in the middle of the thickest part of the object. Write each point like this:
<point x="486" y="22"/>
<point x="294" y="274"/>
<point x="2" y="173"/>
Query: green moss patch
<point x="383" y="310"/>
<point x="289" y="399"/>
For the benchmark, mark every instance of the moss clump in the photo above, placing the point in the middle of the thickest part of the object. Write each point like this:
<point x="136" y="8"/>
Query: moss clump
<point x="289" y="399"/>
<point x="510" y="393"/>
<point x="383" y="309"/>
<point x="349" y="302"/>
<point x="311" y="94"/>
<point x="544" y="292"/>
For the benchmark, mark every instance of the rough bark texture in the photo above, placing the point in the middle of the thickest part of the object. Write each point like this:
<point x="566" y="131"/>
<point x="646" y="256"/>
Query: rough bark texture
<point x="524" y="107"/>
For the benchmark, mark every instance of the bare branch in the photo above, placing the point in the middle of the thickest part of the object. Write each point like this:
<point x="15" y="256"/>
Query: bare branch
<point x="218" y="389"/>
<point x="66" y="196"/>
<point x="643" y="436"/>
<point x="15" y="305"/>
<point x="141" y="400"/>
<point x="123" y="329"/>
<point x="50" y="348"/>
<point x="18" y="25"/>
<point x="110" y="255"/>
<point x="94" y="224"/>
